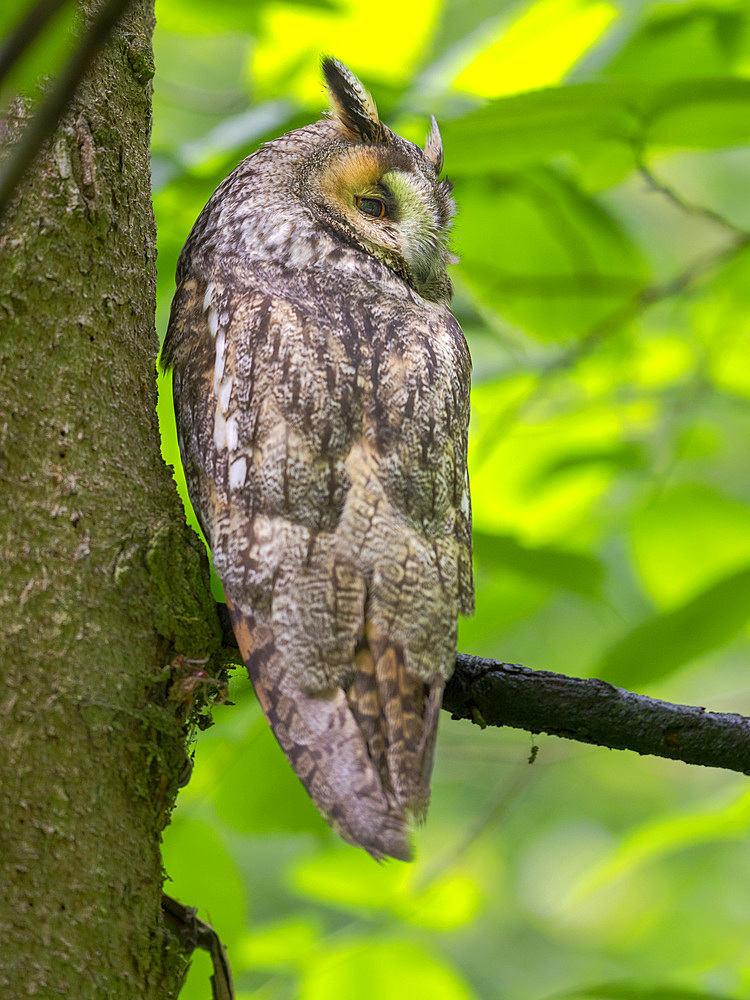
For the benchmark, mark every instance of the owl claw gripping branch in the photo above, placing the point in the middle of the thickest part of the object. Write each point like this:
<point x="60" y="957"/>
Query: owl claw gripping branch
<point x="321" y="387"/>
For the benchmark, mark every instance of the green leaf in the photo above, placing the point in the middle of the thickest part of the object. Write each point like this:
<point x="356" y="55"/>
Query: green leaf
<point x="668" y="641"/>
<point x="700" y="114"/>
<point x="679" y="41"/>
<point x="46" y="56"/>
<point x="620" y="455"/>
<point x="687" y="538"/>
<point x="562" y="263"/>
<point x="660" y="837"/>
<point x="510" y="132"/>
<point x="534" y="45"/>
<point x="721" y="317"/>
<point x="513" y="131"/>
<point x="370" y="969"/>
<point x="225" y="15"/>
<point x="202" y="874"/>
<point x="575" y="571"/>
<point x="348" y="879"/>
<point x="279" y="945"/>
<point x="630" y="991"/>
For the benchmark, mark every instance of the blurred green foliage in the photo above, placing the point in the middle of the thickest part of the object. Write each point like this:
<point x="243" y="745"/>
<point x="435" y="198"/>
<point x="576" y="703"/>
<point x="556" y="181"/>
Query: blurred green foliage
<point x="599" y="152"/>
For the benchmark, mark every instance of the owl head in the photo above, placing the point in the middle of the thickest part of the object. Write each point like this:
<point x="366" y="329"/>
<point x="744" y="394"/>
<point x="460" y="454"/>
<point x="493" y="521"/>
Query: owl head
<point x="324" y="194"/>
<point x="381" y="192"/>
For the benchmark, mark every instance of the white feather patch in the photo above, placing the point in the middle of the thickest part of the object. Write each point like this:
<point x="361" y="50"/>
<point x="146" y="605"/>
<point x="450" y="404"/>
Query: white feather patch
<point x="232" y="435"/>
<point x="221" y="343"/>
<point x="213" y="321"/>
<point x="220" y="431"/>
<point x="210" y="289"/>
<point x="225" y="392"/>
<point x="238" y="473"/>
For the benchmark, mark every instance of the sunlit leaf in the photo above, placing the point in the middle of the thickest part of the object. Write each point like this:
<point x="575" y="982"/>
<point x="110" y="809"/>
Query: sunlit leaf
<point x="535" y="48"/>
<point x="289" y="943"/>
<point x="724" y="320"/>
<point x="567" y="570"/>
<point x="512" y="131"/>
<point x="510" y="460"/>
<point x="373" y="968"/>
<point x="666" y="642"/>
<point x="688" y="537"/>
<point x="292" y="41"/>
<point x="350" y="880"/>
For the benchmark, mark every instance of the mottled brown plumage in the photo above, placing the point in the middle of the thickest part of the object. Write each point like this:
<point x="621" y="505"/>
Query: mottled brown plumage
<point x="321" y="388"/>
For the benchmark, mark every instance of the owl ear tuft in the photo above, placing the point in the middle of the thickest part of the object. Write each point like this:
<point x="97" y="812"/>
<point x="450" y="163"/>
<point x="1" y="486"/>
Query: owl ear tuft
<point x="433" y="146"/>
<point x="350" y="102"/>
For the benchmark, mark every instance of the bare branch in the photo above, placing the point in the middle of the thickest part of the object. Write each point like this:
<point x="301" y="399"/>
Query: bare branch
<point x="689" y="207"/>
<point x="492" y="693"/>
<point x="195" y="933"/>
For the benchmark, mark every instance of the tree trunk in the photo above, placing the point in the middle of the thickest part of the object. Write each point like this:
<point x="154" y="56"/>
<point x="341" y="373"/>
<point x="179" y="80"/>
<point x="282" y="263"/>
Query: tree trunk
<point x="101" y="582"/>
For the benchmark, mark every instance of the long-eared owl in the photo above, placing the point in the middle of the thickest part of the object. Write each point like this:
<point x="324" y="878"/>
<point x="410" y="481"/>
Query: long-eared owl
<point x="321" y="386"/>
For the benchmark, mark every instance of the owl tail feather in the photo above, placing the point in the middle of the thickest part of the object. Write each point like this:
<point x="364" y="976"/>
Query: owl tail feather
<point x="397" y="715"/>
<point x="325" y="745"/>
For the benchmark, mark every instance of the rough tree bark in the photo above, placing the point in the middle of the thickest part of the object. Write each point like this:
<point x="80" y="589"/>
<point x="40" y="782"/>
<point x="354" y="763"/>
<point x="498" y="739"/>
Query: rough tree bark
<point x="101" y="584"/>
<point x="490" y="693"/>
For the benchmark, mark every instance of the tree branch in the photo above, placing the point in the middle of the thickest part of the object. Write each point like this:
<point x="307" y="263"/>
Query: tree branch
<point x="196" y="933"/>
<point x="492" y="693"/>
<point x="682" y="203"/>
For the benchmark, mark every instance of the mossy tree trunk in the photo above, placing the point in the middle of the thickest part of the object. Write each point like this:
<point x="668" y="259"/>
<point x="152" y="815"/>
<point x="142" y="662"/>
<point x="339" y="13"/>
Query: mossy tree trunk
<point x="101" y="583"/>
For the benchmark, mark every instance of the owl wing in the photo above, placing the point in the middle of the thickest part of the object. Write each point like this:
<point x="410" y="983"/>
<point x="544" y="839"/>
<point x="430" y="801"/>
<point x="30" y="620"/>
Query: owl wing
<point x="343" y="593"/>
<point x="410" y="486"/>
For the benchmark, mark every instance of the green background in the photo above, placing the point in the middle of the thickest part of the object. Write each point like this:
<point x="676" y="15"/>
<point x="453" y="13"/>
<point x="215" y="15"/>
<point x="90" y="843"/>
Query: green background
<point x="599" y="156"/>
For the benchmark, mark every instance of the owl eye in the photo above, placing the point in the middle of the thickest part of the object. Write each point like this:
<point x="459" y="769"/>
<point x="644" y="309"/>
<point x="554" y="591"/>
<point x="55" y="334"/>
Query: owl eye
<point x="373" y="207"/>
